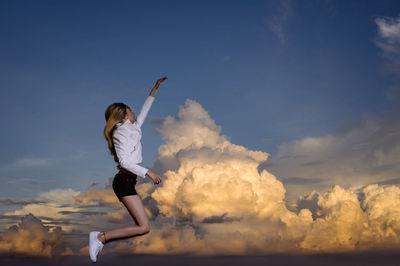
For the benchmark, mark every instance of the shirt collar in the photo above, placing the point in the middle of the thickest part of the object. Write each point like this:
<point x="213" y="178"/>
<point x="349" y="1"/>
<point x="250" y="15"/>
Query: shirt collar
<point x="121" y="123"/>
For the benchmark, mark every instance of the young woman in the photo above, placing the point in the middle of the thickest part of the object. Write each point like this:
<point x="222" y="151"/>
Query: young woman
<point x="123" y="134"/>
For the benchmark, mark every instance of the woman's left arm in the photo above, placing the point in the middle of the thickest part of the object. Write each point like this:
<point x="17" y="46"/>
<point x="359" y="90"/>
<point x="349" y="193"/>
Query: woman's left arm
<point x="153" y="90"/>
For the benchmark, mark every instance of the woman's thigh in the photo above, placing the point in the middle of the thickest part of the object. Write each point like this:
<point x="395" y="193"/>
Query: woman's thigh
<point x="136" y="209"/>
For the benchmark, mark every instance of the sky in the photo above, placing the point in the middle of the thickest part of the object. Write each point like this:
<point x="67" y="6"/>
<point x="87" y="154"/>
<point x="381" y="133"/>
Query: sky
<point x="279" y="120"/>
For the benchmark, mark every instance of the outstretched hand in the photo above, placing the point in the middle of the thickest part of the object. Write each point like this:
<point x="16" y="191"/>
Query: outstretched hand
<point x="159" y="81"/>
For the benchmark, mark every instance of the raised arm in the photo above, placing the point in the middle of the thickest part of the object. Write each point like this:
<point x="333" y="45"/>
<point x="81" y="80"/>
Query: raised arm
<point x="147" y="104"/>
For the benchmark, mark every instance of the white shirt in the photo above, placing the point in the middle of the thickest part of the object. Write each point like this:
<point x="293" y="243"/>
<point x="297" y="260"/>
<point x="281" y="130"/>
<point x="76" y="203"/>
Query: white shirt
<point x="126" y="139"/>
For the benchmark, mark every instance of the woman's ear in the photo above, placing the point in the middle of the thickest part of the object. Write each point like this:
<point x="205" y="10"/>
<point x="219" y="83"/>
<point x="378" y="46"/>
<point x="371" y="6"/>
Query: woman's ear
<point x="125" y="118"/>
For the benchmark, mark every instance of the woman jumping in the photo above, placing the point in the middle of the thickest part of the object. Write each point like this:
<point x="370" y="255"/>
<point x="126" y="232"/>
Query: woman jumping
<point x="123" y="135"/>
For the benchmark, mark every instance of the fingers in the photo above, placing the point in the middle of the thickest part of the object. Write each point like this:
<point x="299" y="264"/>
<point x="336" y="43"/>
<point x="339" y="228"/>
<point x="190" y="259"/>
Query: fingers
<point x="155" y="177"/>
<point x="157" y="180"/>
<point x="161" y="79"/>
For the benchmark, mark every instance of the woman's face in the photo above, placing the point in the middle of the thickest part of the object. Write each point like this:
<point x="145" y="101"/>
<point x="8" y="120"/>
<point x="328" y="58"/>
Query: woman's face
<point x="129" y="115"/>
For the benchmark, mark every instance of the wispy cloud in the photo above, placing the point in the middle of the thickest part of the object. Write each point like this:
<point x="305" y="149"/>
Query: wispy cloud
<point x="389" y="36"/>
<point x="32" y="181"/>
<point x="156" y="121"/>
<point x="10" y="202"/>
<point x="364" y="151"/>
<point x="31" y="162"/>
<point x="279" y="16"/>
<point x="388" y="40"/>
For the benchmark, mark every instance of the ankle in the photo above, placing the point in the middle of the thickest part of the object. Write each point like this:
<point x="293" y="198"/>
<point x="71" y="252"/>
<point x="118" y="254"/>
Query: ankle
<point x="102" y="237"/>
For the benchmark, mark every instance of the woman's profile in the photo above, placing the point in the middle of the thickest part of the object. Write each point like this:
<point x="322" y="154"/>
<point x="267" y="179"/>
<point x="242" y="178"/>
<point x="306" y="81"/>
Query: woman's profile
<point x="123" y="134"/>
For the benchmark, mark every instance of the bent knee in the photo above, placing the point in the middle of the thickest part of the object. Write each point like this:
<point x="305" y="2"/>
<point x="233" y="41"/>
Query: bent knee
<point x="145" y="228"/>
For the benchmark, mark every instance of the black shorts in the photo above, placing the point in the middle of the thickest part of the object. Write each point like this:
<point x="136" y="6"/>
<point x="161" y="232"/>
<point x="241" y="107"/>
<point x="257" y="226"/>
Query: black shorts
<point x="124" y="185"/>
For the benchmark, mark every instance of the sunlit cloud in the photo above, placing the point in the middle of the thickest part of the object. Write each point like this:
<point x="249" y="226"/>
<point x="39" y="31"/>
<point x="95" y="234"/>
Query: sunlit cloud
<point x="96" y="196"/>
<point x="49" y="206"/>
<point x="31" y="238"/>
<point x="72" y="212"/>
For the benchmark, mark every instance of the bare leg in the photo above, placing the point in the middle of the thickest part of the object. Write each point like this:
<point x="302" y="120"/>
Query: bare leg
<point x="135" y="207"/>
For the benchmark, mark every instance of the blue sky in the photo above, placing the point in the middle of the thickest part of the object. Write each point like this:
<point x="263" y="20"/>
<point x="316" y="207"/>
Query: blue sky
<point x="267" y="72"/>
<point x="315" y="84"/>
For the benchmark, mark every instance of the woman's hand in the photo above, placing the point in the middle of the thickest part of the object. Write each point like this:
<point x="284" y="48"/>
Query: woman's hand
<point x="159" y="81"/>
<point x="153" y="176"/>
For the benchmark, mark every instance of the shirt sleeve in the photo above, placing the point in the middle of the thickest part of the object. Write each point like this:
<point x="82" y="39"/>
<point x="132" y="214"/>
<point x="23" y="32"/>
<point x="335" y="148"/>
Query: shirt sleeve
<point x="121" y="145"/>
<point x="145" y="109"/>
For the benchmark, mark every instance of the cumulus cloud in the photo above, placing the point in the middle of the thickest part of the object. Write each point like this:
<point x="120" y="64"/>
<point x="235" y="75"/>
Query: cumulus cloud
<point x="346" y="225"/>
<point x="214" y="194"/>
<point x="90" y="196"/>
<point x="31" y="238"/>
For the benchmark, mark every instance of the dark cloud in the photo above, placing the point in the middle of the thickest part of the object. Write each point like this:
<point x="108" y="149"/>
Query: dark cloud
<point x="157" y="121"/>
<point x="384" y="168"/>
<point x="301" y="180"/>
<point x="393" y="181"/>
<point x="8" y="202"/>
<point x="11" y="217"/>
<point x="94" y="184"/>
<point x="219" y="219"/>
<point x="87" y="213"/>
<point x="312" y="163"/>
<point x="309" y="202"/>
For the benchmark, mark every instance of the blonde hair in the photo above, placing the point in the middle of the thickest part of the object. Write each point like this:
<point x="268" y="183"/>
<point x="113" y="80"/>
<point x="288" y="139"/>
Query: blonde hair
<point x="114" y="114"/>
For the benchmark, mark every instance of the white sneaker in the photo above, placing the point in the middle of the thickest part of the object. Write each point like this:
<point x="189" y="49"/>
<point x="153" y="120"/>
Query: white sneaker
<point x="95" y="245"/>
